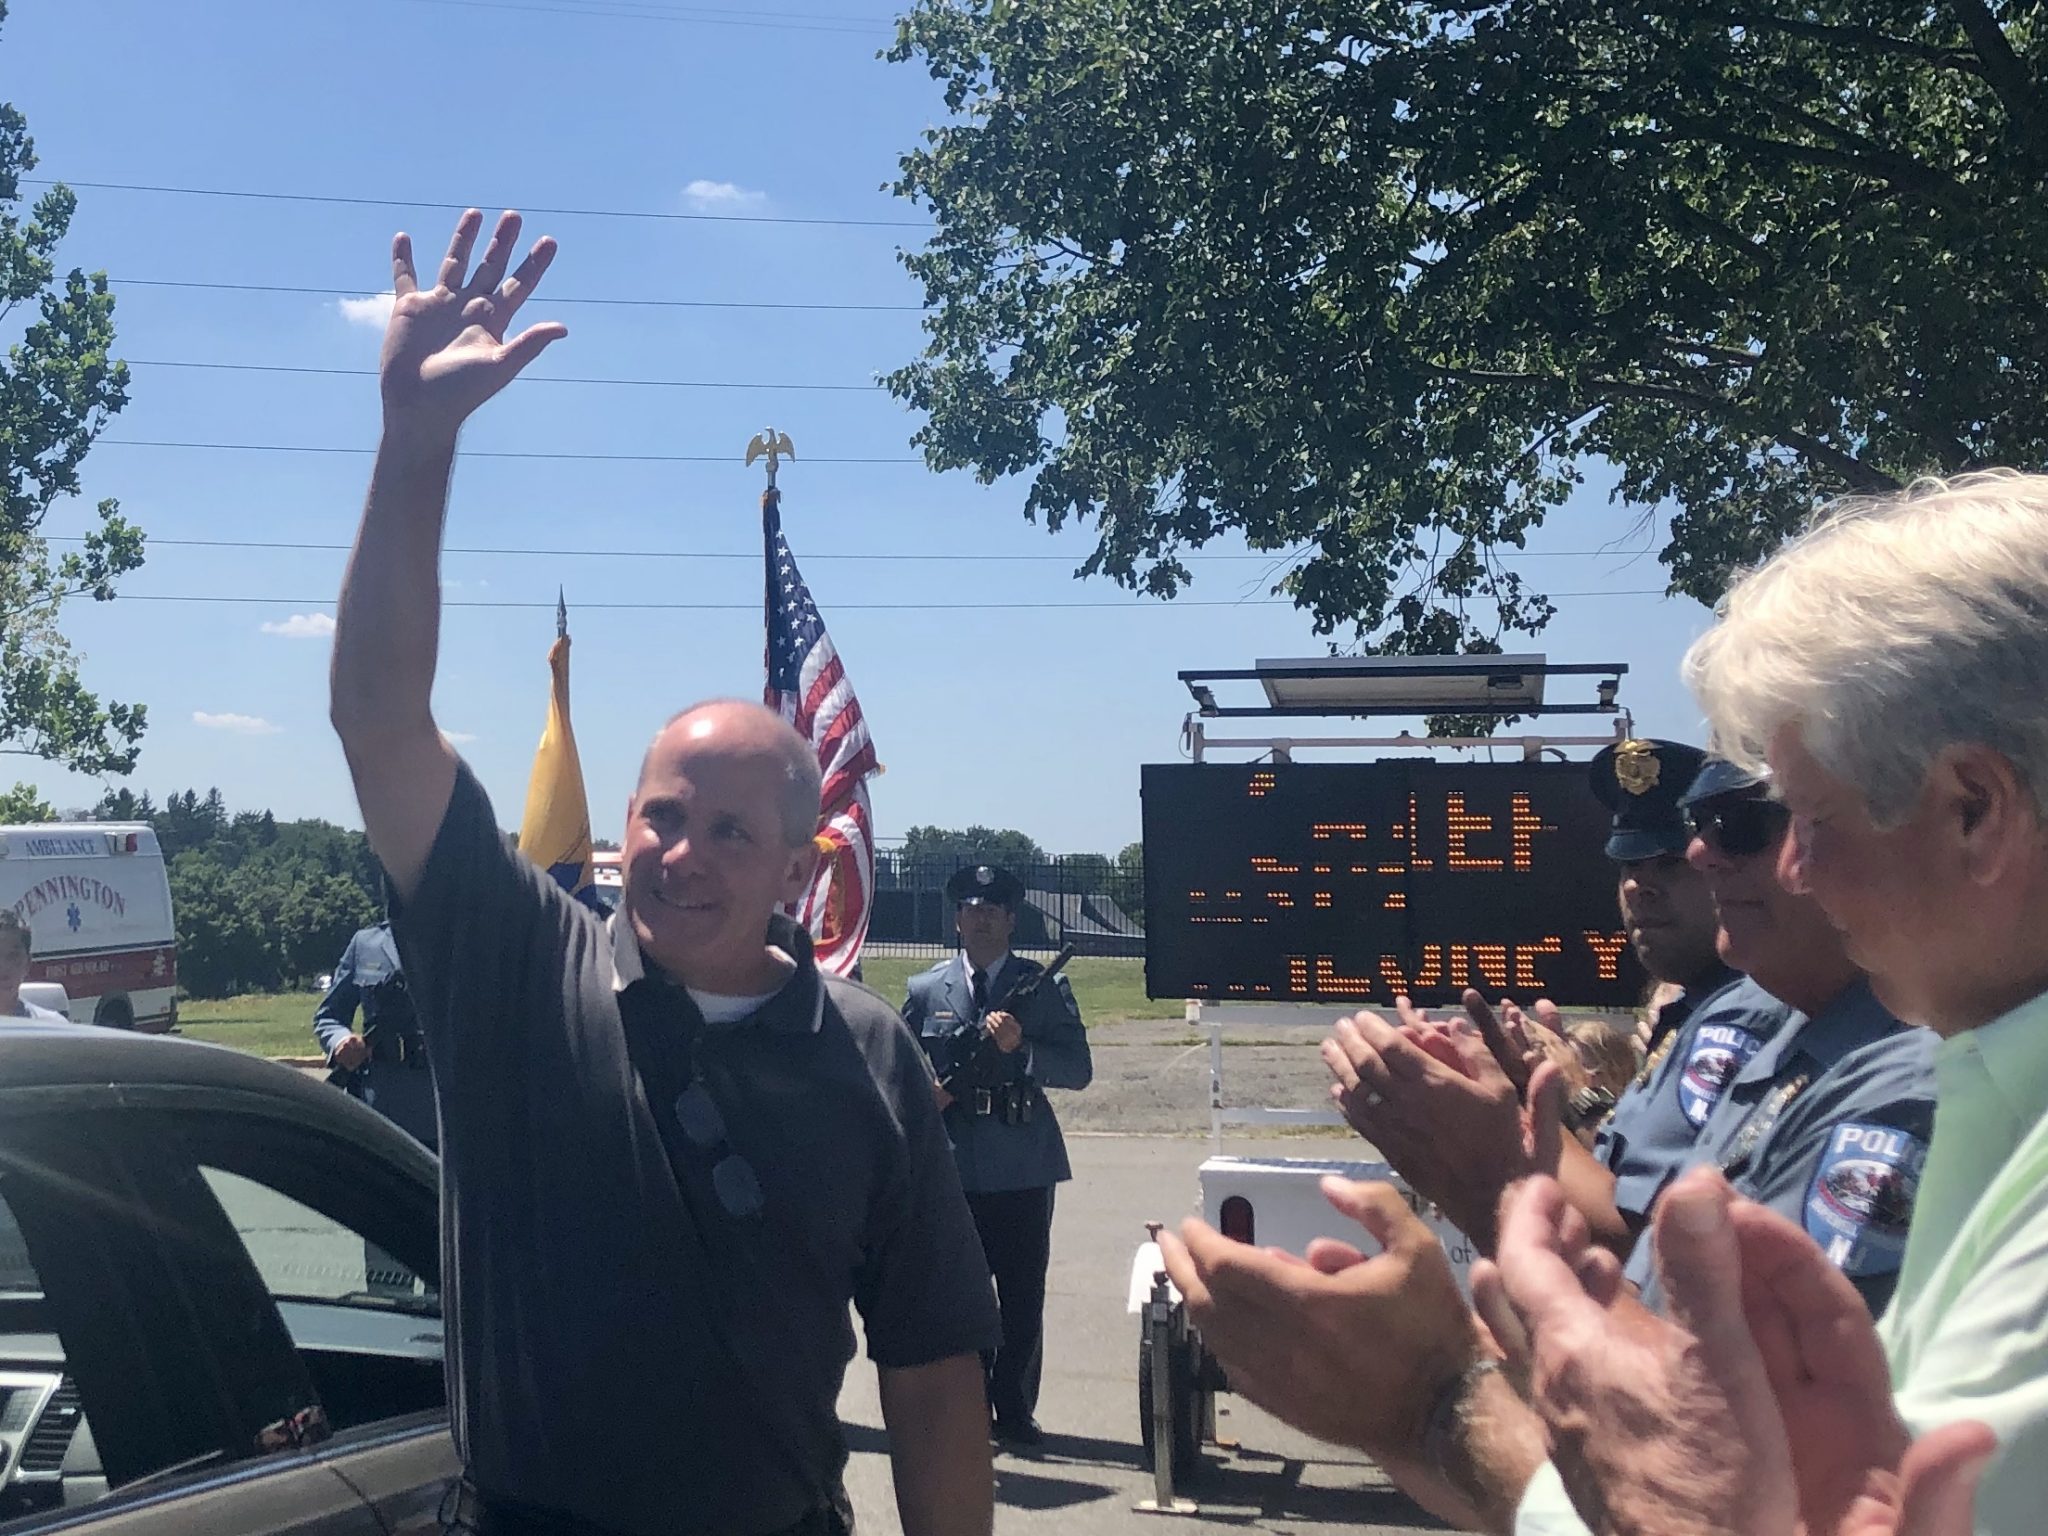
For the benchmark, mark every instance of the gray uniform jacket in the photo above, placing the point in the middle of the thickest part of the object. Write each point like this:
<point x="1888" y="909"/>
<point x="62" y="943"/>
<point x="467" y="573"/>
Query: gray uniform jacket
<point x="992" y="1155"/>
<point x="396" y="1082"/>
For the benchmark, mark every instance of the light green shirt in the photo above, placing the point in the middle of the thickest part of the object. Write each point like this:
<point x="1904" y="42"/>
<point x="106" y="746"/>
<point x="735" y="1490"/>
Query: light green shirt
<point x="1967" y="1330"/>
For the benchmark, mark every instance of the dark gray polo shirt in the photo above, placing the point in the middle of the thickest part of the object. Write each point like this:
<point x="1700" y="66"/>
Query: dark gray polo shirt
<point x="622" y="1349"/>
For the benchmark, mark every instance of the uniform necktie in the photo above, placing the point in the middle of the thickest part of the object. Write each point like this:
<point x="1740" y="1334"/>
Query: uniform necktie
<point x="981" y="991"/>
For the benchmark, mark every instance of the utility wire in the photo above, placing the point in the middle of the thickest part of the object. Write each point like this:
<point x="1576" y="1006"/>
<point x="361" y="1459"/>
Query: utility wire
<point x="672" y="17"/>
<point x="552" y="298"/>
<point x="524" y="378"/>
<point x="755" y="607"/>
<point x="400" y="202"/>
<point x="484" y="453"/>
<point x="809" y="557"/>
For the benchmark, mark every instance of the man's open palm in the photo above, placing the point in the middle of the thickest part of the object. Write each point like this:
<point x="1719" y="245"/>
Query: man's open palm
<point x="445" y="351"/>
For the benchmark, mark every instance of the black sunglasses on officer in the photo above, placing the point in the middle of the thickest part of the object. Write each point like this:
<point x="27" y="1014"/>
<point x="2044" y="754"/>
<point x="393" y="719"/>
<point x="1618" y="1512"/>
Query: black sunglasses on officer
<point x="1739" y="828"/>
<point x="1730" y="811"/>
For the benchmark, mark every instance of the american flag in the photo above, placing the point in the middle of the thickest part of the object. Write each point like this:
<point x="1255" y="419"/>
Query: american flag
<point x="807" y="686"/>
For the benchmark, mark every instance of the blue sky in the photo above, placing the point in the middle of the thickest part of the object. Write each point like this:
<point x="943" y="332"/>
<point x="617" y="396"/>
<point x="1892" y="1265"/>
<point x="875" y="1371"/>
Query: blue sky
<point x="1037" y="719"/>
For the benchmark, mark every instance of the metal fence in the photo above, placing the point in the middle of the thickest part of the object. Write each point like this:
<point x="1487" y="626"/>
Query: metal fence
<point x="1085" y="902"/>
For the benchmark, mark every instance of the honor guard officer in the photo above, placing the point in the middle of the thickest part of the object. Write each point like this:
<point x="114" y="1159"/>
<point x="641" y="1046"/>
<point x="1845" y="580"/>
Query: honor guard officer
<point x="386" y="1065"/>
<point x="1005" y="1140"/>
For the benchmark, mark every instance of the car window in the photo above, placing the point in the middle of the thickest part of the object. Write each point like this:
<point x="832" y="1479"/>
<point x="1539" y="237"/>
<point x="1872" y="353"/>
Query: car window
<point x="304" y="1256"/>
<point x="110" y="1311"/>
<point x="343" y="1244"/>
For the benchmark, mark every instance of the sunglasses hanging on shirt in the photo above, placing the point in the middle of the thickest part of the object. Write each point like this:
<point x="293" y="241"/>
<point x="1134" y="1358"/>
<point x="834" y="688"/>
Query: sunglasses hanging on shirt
<point x="733" y="1178"/>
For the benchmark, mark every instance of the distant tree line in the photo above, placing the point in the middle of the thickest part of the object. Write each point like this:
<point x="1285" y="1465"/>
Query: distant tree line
<point x="928" y="851"/>
<point x="260" y="905"/>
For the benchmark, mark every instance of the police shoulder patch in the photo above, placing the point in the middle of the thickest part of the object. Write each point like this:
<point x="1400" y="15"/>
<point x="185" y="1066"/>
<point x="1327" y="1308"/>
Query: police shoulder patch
<point x="1718" y="1052"/>
<point x="1861" y="1197"/>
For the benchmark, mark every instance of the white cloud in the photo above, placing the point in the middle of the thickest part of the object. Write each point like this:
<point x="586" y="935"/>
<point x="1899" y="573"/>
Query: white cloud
<point x="460" y="738"/>
<point x="240" y="725"/>
<point x="725" y="195"/>
<point x="372" y="313"/>
<point x="300" y="626"/>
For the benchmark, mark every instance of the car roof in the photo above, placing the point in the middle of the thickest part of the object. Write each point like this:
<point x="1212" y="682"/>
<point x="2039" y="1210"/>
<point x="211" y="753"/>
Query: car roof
<point x="44" y="1054"/>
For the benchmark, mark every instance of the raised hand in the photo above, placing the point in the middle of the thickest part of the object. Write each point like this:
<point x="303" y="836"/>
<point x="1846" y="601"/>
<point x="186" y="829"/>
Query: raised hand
<point x="445" y="351"/>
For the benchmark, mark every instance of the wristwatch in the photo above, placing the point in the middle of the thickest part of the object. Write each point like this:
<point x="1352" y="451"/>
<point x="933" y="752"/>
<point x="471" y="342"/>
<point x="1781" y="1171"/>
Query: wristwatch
<point x="1588" y="1106"/>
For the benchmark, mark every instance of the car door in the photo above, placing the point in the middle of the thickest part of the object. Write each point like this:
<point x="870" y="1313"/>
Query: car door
<point x="348" y="1246"/>
<point x="150" y="1381"/>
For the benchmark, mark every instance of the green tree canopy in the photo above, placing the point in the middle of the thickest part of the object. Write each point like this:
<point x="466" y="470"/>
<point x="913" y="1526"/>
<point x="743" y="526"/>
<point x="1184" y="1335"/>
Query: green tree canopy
<point x="58" y="388"/>
<point x="1372" y="283"/>
<point x="260" y="904"/>
<point x="22" y="805"/>
<point x="970" y="845"/>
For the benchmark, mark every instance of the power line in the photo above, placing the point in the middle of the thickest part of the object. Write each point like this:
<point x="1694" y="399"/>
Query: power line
<point x="755" y="607"/>
<point x="810" y="556"/>
<point x="552" y="298"/>
<point x="485" y="453"/>
<point x="638" y="13"/>
<point x="524" y="378"/>
<point x="882" y="556"/>
<point x="400" y="202"/>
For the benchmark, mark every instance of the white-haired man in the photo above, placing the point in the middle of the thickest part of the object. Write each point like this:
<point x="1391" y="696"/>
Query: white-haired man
<point x="1891" y="668"/>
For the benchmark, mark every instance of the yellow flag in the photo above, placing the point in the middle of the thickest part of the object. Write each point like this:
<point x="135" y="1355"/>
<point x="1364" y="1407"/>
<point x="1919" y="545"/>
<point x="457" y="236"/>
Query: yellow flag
<point x="555" y="831"/>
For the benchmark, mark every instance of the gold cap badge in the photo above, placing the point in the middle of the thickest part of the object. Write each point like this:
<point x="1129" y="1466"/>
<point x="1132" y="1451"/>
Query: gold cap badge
<point x="1636" y="768"/>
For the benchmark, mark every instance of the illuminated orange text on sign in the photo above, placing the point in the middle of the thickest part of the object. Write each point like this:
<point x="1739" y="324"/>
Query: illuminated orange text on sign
<point x="1464" y="824"/>
<point x="1526" y="979"/>
<point x="1405" y="874"/>
<point x="1523" y="826"/>
<point x="1607" y="948"/>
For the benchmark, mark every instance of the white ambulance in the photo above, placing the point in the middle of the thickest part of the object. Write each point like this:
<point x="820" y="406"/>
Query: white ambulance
<point x="97" y="902"/>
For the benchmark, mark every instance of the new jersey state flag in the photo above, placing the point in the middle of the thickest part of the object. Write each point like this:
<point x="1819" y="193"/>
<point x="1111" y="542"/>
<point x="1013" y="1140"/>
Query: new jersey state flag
<point x="555" y="831"/>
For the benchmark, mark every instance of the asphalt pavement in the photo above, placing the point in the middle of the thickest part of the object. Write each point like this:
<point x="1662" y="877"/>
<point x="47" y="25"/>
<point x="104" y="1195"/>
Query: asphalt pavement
<point x="1088" y="1477"/>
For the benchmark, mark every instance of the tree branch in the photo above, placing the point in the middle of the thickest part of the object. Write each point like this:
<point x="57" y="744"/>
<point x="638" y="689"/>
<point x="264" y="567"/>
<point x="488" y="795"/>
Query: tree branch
<point x="1859" y="39"/>
<point x="2002" y="68"/>
<point x="1856" y="474"/>
<point x="1878" y="164"/>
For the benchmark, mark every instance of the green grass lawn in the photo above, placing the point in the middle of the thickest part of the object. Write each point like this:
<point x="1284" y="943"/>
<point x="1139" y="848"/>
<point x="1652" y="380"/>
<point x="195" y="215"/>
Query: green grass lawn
<point x="267" y="1024"/>
<point x="281" y="1023"/>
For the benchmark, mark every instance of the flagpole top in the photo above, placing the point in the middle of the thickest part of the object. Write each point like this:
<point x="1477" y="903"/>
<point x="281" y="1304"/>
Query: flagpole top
<point x="561" y="615"/>
<point x="772" y="445"/>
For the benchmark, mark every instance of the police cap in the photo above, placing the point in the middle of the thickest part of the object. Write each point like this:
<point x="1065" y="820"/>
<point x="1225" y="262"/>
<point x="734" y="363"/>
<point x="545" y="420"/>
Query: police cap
<point x="1642" y="781"/>
<point x="984" y="883"/>
<point x="1718" y="776"/>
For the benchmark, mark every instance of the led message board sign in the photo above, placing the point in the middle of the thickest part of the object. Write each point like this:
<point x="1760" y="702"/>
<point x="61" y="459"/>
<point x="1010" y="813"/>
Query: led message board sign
<point x="1354" y="882"/>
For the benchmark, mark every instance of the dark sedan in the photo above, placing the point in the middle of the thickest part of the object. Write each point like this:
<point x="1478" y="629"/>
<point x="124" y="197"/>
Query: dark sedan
<point x="219" y="1297"/>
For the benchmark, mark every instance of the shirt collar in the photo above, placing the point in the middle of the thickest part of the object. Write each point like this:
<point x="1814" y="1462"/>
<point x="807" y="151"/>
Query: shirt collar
<point x="1853" y="1017"/>
<point x="2012" y="1052"/>
<point x="994" y="970"/>
<point x="798" y="1009"/>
